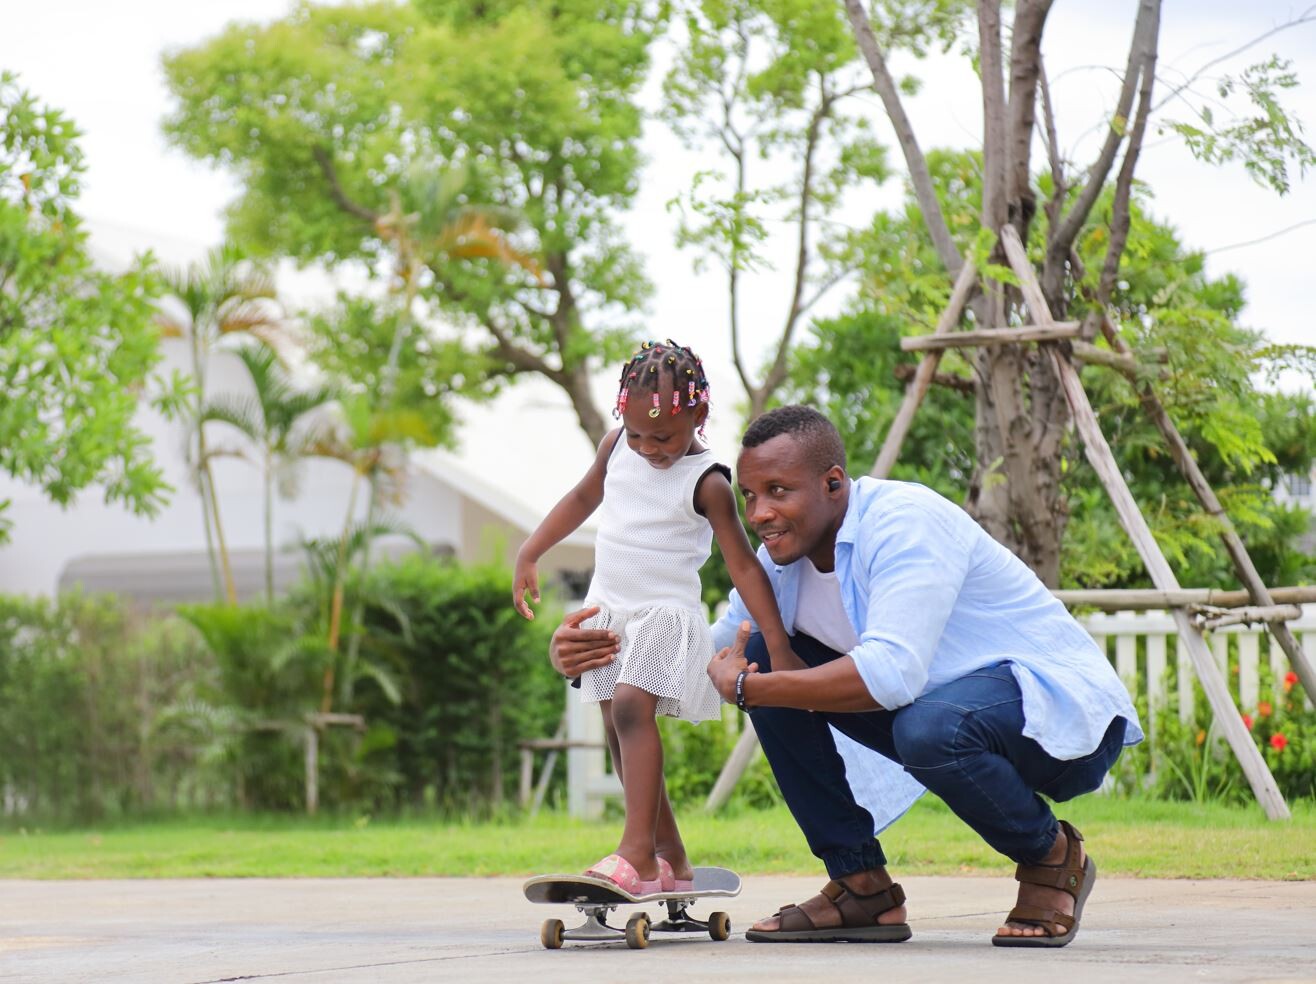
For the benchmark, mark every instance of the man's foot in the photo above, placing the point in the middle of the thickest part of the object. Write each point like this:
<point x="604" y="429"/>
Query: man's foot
<point x="1051" y="894"/>
<point x="865" y="906"/>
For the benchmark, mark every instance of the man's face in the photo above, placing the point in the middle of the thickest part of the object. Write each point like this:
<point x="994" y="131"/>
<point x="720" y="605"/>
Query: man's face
<point x="786" y="501"/>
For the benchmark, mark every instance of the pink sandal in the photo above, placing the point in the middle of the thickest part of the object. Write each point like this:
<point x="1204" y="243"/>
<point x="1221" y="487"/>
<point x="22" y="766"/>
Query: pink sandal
<point x="669" y="880"/>
<point x="622" y="873"/>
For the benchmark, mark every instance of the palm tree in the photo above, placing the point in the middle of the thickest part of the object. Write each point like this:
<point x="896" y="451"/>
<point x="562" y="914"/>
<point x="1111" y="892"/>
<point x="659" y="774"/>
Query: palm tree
<point x="270" y="419"/>
<point x="220" y="296"/>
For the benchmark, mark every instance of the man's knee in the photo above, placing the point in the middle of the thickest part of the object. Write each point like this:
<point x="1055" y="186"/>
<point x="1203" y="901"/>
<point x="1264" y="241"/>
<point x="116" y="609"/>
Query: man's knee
<point x="756" y="651"/>
<point x="924" y="734"/>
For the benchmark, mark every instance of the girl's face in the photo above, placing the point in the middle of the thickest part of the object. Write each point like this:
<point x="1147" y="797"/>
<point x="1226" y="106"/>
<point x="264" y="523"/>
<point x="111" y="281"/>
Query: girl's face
<point x="663" y="440"/>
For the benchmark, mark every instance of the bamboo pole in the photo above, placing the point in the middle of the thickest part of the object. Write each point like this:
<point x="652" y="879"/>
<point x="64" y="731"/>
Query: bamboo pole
<point x="1234" y="546"/>
<point x="1103" y="462"/>
<point x="1146" y="599"/>
<point x="1058" y="331"/>
<point x="924" y="374"/>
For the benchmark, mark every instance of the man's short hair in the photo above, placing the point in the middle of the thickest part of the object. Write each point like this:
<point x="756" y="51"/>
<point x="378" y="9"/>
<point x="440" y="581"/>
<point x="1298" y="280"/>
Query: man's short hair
<point x="815" y="433"/>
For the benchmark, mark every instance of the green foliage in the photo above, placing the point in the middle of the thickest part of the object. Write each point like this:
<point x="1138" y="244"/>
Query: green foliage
<point x="1263" y="136"/>
<point x="693" y="756"/>
<point x="1209" y="372"/>
<point x="474" y="677"/>
<point x="93" y="702"/>
<point x="77" y="346"/>
<point x="1193" y="762"/>
<point x="329" y="115"/>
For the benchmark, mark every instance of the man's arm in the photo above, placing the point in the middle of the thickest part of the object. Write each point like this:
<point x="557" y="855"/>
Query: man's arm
<point x="835" y="686"/>
<point x="915" y="568"/>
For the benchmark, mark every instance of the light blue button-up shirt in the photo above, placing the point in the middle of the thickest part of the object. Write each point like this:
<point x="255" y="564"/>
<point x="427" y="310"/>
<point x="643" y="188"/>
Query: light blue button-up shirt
<point x="932" y="597"/>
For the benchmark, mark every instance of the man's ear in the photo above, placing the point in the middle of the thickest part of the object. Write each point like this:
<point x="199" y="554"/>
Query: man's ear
<point x="835" y="478"/>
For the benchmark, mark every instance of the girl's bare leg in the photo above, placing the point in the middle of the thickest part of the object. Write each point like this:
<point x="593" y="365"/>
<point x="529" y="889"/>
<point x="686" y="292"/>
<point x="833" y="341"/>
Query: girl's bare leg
<point x="641" y="767"/>
<point x="667" y="837"/>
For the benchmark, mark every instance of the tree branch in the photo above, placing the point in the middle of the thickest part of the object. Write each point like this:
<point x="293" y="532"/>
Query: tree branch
<point x="1120" y="217"/>
<point x="1025" y="69"/>
<point x="777" y="374"/>
<point x="326" y="164"/>
<point x="1306" y="17"/>
<point x="1063" y="238"/>
<point x="919" y="175"/>
<point x="1058" y="185"/>
<point x="994" y="198"/>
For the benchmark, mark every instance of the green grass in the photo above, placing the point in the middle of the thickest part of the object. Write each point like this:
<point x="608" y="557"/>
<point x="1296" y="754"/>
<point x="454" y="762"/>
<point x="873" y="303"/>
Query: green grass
<point x="1132" y="838"/>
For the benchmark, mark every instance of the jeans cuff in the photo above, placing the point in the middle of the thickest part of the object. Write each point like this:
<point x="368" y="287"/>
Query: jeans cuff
<point x="849" y="860"/>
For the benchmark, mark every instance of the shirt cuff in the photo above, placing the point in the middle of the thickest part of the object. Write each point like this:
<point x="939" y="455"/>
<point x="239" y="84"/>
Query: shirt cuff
<point x="883" y="680"/>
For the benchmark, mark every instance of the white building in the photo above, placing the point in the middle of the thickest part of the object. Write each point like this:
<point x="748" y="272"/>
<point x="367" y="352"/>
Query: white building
<point x="457" y="512"/>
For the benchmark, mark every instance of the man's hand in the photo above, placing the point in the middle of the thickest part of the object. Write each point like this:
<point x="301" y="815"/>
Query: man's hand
<point x="727" y="664"/>
<point x="574" y="650"/>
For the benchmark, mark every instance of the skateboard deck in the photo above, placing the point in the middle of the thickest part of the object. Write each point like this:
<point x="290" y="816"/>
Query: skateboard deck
<point x="596" y="897"/>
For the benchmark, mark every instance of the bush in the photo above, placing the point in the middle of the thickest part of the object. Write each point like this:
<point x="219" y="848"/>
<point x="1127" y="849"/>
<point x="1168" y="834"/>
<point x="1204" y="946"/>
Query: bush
<point x="474" y="679"/>
<point x="90" y="695"/>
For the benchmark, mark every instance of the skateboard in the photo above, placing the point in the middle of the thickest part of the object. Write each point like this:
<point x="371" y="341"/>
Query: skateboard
<point x="596" y="897"/>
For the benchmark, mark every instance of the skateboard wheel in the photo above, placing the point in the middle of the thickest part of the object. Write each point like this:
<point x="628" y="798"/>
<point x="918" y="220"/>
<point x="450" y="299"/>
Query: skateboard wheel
<point x="719" y="926"/>
<point x="637" y="931"/>
<point x="550" y="934"/>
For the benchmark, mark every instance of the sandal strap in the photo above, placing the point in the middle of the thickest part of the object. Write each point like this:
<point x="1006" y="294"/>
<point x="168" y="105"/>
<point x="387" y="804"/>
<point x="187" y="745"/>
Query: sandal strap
<point x="856" y="910"/>
<point x="1055" y="923"/>
<point x="793" y="919"/>
<point x="862" y="910"/>
<point x="1068" y="876"/>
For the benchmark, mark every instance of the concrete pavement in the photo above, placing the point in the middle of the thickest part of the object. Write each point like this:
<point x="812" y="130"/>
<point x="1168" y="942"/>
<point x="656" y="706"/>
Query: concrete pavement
<point x="401" y="931"/>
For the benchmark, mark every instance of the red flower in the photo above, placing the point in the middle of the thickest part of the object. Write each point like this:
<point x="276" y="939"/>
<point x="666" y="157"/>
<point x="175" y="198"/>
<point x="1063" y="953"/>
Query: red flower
<point x="1278" y="741"/>
<point x="1290" y="677"/>
<point x="1264" y="709"/>
<point x="1247" y="721"/>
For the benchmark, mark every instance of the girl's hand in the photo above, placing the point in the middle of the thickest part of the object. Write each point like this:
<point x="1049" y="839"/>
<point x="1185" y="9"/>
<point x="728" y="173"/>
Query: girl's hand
<point x="525" y="578"/>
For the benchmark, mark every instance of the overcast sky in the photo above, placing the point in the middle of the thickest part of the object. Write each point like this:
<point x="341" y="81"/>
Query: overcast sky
<point x="100" y="62"/>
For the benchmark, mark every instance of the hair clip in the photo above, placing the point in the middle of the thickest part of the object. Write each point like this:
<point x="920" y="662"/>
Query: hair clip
<point x="655" y="410"/>
<point x="676" y="401"/>
<point x="621" y="400"/>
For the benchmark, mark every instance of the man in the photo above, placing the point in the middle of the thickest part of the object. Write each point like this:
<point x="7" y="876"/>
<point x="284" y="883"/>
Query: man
<point x="922" y="639"/>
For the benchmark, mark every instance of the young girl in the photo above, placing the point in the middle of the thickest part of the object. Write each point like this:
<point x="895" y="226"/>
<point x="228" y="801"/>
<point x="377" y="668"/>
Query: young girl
<point x="663" y="498"/>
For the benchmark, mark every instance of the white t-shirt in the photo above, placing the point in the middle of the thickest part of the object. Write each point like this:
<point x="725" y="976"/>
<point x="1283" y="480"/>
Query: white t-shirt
<point x="820" y="612"/>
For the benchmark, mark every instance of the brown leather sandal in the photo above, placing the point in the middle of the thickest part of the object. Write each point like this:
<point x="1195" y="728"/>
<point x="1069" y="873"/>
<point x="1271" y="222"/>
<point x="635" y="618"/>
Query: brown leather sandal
<point x="858" y="919"/>
<point x="1068" y="876"/>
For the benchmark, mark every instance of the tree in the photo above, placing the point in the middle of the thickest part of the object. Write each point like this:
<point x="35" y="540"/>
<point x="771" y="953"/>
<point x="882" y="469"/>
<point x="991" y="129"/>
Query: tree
<point x="766" y="85"/>
<point x="1212" y="374"/>
<point x="323" y="114"/>
<point x="224" y="295"/>
<point x="78" y="347"/>
<point x="274" y="421"/>
<point x="1021" y="415"/>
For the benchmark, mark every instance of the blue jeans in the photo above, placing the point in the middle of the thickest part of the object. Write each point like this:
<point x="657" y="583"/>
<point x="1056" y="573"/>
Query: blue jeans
<point x="964" y="741"/>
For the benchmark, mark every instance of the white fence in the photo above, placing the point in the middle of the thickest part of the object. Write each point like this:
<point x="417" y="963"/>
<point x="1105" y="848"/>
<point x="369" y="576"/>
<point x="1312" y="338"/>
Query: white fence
<point x="1139" y="644"/>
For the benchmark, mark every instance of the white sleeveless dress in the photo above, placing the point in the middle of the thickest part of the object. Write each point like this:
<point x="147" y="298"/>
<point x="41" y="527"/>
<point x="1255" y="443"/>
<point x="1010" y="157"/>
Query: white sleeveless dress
<point x="650" y="546"/>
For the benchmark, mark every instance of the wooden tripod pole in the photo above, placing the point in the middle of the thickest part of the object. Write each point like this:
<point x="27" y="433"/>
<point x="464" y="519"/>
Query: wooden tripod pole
<point x="1103" y="462"/>
<point x="923" y="375"/>
<point x="1234" y="546"/>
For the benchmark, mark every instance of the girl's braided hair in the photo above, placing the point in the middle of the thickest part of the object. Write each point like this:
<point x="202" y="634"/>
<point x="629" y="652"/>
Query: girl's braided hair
<point x="656" y="366"/>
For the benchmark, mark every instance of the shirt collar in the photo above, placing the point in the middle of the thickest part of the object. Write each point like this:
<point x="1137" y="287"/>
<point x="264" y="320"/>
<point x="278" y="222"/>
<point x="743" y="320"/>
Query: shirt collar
<point x="849" y="530"/>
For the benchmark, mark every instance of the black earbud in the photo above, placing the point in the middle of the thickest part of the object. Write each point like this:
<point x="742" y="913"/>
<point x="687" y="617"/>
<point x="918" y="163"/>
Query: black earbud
<point x="833" y="484"/>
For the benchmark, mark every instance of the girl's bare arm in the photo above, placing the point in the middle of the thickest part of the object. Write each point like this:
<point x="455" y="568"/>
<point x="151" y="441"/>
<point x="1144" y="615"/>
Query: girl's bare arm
<point x="562" y="520"/>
